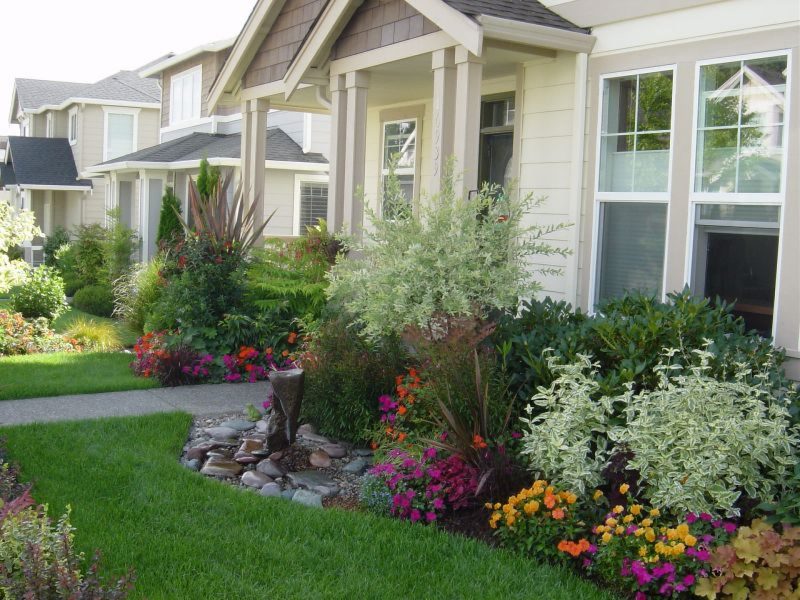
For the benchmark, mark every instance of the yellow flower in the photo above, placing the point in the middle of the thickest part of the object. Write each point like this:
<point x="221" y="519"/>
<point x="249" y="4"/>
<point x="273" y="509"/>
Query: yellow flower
<point x="572" y="498"/>
<point x="650" y="535"/>
<point x="619" y="530"/>
<point x="627" y="519"/>
<point x="678" y="549"/>
<point x="623" y="489"/>
<point x="493" y="521"/>
<point x="611" y="522"/>
<point x="507" y="508"/>
<point x="682" y="530"/>
<point x="655" y="512"/>
<point x="606" y="537"/>
<point x="647" y="522"/>
<point x="639" y="532"/>
<point x="660" y="548"/>
<point x="510" y="519"/>
<point x="617" y="509"/>
<point x="643" y="551"/>
<point x="690" y="540"/>
<point x="672" y="534"/>
<point x="597" y="495"/>
<point x="601" y="529"/>
<point x="531" y="507"/>
<point x="636" y="509"/>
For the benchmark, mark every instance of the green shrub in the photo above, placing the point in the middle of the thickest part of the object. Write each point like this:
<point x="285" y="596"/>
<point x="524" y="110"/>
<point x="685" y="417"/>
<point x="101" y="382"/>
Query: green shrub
<point x="95" y="299"/>
<point x="42" y="295"/>
<point x="169" y="223"/>
<point x="88" y="254"/>
<point x="94" y="336"/>
<point x="137" y="292"/>
<point x="54" y="241"/>
<point x="118" y="244"/>
<point x="344" y="377"/>
<point x="22" y="336"/>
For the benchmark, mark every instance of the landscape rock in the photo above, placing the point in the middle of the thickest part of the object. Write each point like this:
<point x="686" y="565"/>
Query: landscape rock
<point x="276" y="456"/>
<point x="307" y="498"/>
<point x="310" y="479"/>
<point x="245" y="458"/>
<point x="288" y="494"/>
<point x="320" y="459"/>
<point x="222" y="433"/>
<point x="270" y="468"/>
<point x="261" y="426"/>
<point x="363" y="452"/>
<point x="250" y="445"/>
<point x="239" y="424"/>
<point x="313" y="437"/>
<point x="356" y="467"/>
<point x="193" y="464"/>
<point x="323" y="491"/>
<point x="307" y="428"/>
<point x="334" y="450"/>
<point x="271" y="489"/>
<point x="218" y="466"/>
<point x="255" y="479"/>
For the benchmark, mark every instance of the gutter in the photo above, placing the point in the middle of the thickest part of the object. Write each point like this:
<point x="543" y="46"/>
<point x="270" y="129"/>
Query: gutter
<point x="531" y="34"/>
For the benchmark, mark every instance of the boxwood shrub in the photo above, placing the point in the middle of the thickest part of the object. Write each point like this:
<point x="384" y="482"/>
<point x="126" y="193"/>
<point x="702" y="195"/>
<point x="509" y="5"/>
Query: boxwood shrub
<point x="95" y="299"/>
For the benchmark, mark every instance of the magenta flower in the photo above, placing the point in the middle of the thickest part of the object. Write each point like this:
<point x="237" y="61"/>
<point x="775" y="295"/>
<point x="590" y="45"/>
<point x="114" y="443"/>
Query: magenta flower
<point x="729" y="527"/>
<point x="691" y="518"/>
<point x="438" y="503"/>
<point x="689" y="580"/>
<point x="415" y="516"/>
<point x="706" y="517"/>
<point x="430" y="516"/>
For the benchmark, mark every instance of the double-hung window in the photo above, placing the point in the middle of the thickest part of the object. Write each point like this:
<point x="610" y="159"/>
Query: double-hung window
<point x="311" y="201"/>
<point x="72" y="126"/>
<point x="738" y="190"/>
<point x="632" y="188"/>
<point x="184" y="96"/>
<point x="120" y="132"/>
<point x="400" y="149"/>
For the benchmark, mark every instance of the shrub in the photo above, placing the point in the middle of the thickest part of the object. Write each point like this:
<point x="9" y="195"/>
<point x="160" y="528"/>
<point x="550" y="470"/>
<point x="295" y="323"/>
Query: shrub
<point x="42" y="295"/>
<point x="96" y="300"/>
<point x="171" y="366"/>
<point x="697" y="443"/>
<point x="536" y="519"/>
<point x="89" y="254"/>
<point x="169" y="223"/>
<point x="374" y="496"/>
<point x="118" y="243"/>
<point x="344" y="375"/>
<point x="94" y="336"/>
<point x="16" y="226"/>
<point x="137" y="292"/>
<point x="786" y="509"/>
<point x="59" y="237"/>
<point x="758" y="563"/>
<point x="21" y="336"/>
<point x="456" y="257"/>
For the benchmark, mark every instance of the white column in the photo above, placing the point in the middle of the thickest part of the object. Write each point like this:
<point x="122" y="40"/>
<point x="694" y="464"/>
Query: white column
<point x="444" y="96"/>
<point x="337" y="151"/>
<point x="254" y="154"/>
<point x="47" y="213"/>
<point x="357" y="83"/>
<point x="466" y="137"/>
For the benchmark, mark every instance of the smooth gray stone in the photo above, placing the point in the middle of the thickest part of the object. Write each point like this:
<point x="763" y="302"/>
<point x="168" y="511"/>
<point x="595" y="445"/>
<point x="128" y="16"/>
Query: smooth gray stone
<point x="238" y="424"/>
<point x="307" y="428"/>
<point x="334" y="450"/>
<point x="288" y="494"/>
<point x="271" y="490"/>
<point x="222" y="433"/>
<point x="310" y="479"/>
<point x="270" y="468"/>
<point x="313" y="437"/>
<point x="307" y="498"/>
<point x="255" y="479"/>
<point x="261" y="426"/>
<point x="356" y="467"/>
<point x="193" y="464"/>
<point x="320" y="459"/>
<point x="363" y="452"/>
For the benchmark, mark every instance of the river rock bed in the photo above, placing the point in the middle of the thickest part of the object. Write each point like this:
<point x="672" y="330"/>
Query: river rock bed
<point x="315" y="470"/>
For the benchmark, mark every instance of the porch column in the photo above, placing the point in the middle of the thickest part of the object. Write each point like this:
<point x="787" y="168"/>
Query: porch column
<point x="337" y="153"/>
<point x="444" y="93"/>
<point x="47" y="213"/>
<point x="254" y="155"/>
<point x="355" y="151"/>
<point x="466" y="137"/>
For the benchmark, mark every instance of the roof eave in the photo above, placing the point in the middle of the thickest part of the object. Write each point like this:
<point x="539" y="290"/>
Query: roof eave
<point x="532" y="34"/>
<point x="98" y="101"/>
<point x="179" y="58"/>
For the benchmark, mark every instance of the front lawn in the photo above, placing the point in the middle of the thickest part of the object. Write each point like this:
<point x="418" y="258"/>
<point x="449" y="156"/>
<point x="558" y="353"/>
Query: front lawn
<point x="190" y="537"/>
<point x="63" y="373"/>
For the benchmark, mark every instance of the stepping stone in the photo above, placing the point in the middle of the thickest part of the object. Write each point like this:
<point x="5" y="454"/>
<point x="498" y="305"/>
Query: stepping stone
<point x="271" y="490"/>
<point x="222" y="433"/>
<point x="270" y="468"/>
<point x="255" y="479"/>
<point x="310" y="479"/>
<point x="319" y="459"/>
<point x="356" y="467"/>
<point x="276" y="456"/>
<point x="307" y="498"/>
<point x="334" y="450"/>
<point x="261" y="426"/>
<point x="307" y="428"/>
<point x="238" y="424"/>
<point x="245" y="458"/>
<point x="250" y="446"/>
<point x="325" y="492"/>
<point x="313" y="437"/>
<point x="197" y="453"/>
<point x="221" y="467"/>
<point x="259" y="437"/>
<point x="363" y="452"/>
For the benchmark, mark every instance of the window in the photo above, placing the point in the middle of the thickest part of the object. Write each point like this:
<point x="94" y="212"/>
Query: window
<point x="72" y="134"/>
<point x="633" y="174"/>
<point x="400" y="145"/>
<point x="48" y="126"/>
<point x="740" y="126"/>
<point x="120" y="133"/>
<point x="184" y="97"/>
<point x="311" y="202"/>
<point x="497" y="141"/>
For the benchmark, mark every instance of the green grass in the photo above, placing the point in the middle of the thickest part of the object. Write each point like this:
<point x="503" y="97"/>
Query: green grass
<point x="62" y="373"/>
<point x="191" y="537"/>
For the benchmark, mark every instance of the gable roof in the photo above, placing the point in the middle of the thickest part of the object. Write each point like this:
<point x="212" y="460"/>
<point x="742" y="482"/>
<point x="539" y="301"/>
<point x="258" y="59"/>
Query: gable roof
<point x="196" y="146"/>
<point x="7" y="175"/>
<point x="525" y="11"/>
<point x="46" y="162"/>
<point x="157" y="66"/>
<point x="37" y="95"/>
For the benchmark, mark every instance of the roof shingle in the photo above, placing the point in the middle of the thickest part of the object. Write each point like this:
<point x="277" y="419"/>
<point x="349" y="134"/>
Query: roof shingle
<point x="527" y="11"/>
<point x="44" y="161"/>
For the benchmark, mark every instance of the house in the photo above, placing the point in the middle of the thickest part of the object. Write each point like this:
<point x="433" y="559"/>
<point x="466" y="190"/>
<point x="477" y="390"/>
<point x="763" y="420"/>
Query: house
<point x="293" y="172"/>
<point x="665" y="132"/>
<point x="64" y="128"/>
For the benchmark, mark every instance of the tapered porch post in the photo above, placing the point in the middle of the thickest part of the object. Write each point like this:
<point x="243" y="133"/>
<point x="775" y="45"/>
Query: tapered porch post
<point x="356" y="83"/>
<point x="254" y="155"/>
<point x="336" y="159"/>
<point x="444" y="95"/>
<point x="466" y="138"/>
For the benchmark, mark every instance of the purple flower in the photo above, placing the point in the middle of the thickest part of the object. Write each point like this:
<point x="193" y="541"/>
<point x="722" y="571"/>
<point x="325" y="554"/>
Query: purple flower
<point x="689" y="580"/>
<point x="643" y="577"/>
<point x="430" y="516"/>
<point x="415" y="515"/>
<point x="691" y="518"/>
<point x="729" y="527"/>
<point x="438" y="503"/>
<point x="418" y="473"/>
<point x="702" y="555"/>
<point x="516" y="435"/>
<point x="665" y="590"/>
<point x="429" y="453"/>
<point x="706" y="517"/>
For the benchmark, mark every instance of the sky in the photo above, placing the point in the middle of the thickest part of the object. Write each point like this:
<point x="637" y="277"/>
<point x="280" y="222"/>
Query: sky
<point x="87" y="40"/>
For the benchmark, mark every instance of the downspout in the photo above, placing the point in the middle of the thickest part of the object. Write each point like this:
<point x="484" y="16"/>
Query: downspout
<point x="577" y="159"/>
<point x="322" y="98"/>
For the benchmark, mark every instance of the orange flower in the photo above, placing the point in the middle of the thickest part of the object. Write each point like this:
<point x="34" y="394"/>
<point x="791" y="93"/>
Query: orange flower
<point x="477" y="442"/>
<point x="373" y="445"/>
<point x="285" y="353"/>
<point x="292" y="338"/>
<point x="401" y="436"/>
<point x="269" y="350"/>
<point x="558" y="514"/>
<point x="398" y="380"/>
<point x="412" y="373"/>
<point x="402" y="410"/>
<point x="549" y="501"/>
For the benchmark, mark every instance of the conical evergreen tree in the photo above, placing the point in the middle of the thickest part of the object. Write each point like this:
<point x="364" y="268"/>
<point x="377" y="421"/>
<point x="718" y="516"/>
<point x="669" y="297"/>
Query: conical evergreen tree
<point x="169" y="225"/>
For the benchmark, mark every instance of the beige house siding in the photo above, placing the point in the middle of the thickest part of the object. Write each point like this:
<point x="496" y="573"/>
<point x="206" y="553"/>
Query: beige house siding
<point x="210" y="62"/>
<point x="379" y="23"/>
<point x="276" y="52"/>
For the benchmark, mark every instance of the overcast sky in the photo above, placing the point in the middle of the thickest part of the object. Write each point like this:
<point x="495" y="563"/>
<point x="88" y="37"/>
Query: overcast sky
<point x="87" y="40"/>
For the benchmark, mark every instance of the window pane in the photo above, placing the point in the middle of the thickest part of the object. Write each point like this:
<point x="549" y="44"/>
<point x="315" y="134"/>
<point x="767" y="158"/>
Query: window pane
<point x="716" y="160"/>
<point x="619" y="102"/>
<point x="739" y="213"/>
<point x="120" y="135"/>
<point x="407" y="186"/>
<point x="631" y="248"/>
<point x="720" y="90"/>
<point x="616" y="163"/>
<point x="655" y="102"/>
<point x="400" y="140"/>
<point x="763" y="92"/>
<point x="760" y="160"/>
<point x="652" y="162"/>
<point x="313" y="204"/>
<point x="497" y="113"/>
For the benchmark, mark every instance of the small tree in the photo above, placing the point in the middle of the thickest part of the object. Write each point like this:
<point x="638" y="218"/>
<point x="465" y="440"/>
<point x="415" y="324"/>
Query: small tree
<point x="207" y="180"/>
<point x="169" y="223"/>
<point x="15" y="228"/>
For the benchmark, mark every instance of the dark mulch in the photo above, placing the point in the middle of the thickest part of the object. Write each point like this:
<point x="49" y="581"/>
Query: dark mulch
<point x="473" y="523"/>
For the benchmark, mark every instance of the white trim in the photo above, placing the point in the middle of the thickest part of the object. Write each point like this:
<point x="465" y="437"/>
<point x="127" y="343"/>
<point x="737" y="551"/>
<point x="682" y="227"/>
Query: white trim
<point x="183" y="56"/>
<point x="299" y="180"/>
<point x="94" y="101"/>
<point x="577" y="158"/>
<point x="417" y="117"/>
<point x="213" y="120"/>
<point x="72" y="132"/>
<point x="639" y="197"/>
<point x="456" y="24"/>
<point x="134" y="165"/>
<point x="197" y="94"/>
<point x="57" y="188"/>
<point x="49" y="125"/>
<point x="120" y="111"/>
<point x="532" y="34"/>
<point x="424" y="44"/>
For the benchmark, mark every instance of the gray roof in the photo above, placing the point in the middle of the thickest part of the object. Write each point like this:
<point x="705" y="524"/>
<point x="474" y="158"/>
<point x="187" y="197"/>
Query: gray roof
<point x="527" y="11"/>
<point x="125" y="86"/>
<point x="43" y="161"/>
<point x="7" y="176"/>
<point x="196" y="146"/>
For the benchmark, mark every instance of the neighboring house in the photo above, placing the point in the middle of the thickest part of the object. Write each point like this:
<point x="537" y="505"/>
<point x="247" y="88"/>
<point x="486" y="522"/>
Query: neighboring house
<point x="293" y="172"/>
<point x="64" y="128"/>
<point x="665" y="132"/>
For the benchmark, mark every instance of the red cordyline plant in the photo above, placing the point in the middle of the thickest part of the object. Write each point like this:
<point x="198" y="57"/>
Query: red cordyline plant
<point x="222" y="222"/>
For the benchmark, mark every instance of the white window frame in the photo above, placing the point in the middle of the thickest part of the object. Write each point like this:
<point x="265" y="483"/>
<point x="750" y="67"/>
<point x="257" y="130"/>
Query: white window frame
<point x="120" y="111"/>
<point x="633" y="197"/>
<point x="187" y="74"/>
<point x="417" y="118"/>
<point x="49" y="124"/>
<point x="776" y="199"/>
<point x="299" y="180"/>
<point x="72" y="130"/>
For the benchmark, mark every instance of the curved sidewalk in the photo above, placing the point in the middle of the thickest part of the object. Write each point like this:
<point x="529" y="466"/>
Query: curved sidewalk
<point x="200" y="400"/>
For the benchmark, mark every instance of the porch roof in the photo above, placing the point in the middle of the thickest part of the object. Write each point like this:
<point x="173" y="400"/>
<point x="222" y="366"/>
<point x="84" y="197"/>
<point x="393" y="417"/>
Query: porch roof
<point x="44" y="163"/>
<point x="525" y="11"/>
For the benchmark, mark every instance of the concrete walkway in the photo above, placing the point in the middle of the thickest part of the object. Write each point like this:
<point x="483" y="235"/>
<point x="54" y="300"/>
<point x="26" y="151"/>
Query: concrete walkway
<point x="194" y="399"/>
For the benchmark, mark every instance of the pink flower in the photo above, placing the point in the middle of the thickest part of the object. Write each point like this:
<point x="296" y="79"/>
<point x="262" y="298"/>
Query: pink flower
<point x="438" y="503"/>
<point x="706" y="517"/>
<point x="691" y="518"/>
<point x="415" y="516"/>
<point x="640" y="596"/>
<point x="729" y="527"/>
<point x="430" y="516"/>
<point x="689" y="580"/>
<point x="516" y="435"/>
